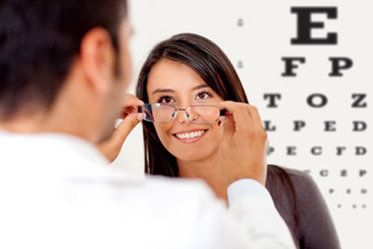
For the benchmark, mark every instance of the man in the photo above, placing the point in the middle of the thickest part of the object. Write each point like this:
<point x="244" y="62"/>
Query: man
<point x="64" y="68"/>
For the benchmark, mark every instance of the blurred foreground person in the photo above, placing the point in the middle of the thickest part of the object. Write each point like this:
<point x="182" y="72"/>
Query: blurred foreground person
<point x="64" y="70"/>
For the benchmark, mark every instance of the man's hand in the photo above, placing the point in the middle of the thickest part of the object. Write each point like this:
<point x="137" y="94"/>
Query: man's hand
<point x="244" y="144"/>
<point x="111" y="147"/>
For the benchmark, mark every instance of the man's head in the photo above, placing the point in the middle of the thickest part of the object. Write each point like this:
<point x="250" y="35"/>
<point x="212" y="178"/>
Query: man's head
<point x="65" y="60"/>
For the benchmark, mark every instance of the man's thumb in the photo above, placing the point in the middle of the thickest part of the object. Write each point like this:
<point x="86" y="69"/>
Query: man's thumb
<point x="126" y="126"/>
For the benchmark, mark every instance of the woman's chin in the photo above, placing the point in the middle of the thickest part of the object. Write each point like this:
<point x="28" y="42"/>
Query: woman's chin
<point x="192" y="155"/>
<point x="193" y="150"/>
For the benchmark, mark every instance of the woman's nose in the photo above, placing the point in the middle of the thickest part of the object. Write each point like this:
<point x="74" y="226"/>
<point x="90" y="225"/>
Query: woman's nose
<point x="182" y="116"/>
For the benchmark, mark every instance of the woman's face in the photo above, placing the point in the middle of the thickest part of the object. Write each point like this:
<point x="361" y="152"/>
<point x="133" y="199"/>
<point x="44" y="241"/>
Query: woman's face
<point x="173" y="83"/>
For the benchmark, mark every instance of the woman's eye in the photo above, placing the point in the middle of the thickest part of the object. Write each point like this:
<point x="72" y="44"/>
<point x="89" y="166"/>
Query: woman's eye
<point x="165" y="100"/>
<point x="203" y="96"/>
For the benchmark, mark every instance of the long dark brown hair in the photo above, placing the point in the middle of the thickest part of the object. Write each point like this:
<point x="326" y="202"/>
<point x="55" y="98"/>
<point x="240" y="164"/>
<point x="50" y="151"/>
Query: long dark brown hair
<point x="213" y="66"/>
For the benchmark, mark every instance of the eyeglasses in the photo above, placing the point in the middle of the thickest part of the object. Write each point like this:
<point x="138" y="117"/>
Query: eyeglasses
<point x="197" y="114"/>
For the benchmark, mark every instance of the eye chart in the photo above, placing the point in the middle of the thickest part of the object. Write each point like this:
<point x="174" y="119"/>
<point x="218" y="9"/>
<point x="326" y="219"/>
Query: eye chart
<point x="307" y="66"/>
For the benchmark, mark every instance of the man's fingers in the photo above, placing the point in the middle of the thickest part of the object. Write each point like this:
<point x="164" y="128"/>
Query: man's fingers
<point x="130" y="104"/>
<point x="229" y="129"/>
<point x="257" y="123"/>
<point x="126" y="126"/>
<point x="239" y="114"/>
<point x="130" y="118"/>
<point x="127" y="111"/>
<point x="131" y="100"/>
<point x="111" y="147"/>
<point x="246" y="121"/>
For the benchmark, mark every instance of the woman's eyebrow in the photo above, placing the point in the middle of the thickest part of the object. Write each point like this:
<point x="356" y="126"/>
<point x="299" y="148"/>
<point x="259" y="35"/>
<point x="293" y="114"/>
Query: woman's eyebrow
<point x="163" y="90"/>
<point x="203" y="85"/>
<point x="168" y="90"/>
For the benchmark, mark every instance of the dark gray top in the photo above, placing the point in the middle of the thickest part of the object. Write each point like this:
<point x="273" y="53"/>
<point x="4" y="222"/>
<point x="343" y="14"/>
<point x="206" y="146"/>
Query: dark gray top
<point x="300" y="203"/>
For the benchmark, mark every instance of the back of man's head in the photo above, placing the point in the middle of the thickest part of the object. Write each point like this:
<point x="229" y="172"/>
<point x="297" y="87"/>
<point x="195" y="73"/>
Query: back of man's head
<point x="39" y="40"/>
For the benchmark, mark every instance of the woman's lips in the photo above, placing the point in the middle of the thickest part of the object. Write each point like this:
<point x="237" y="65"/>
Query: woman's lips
<point x="189" y="137"/>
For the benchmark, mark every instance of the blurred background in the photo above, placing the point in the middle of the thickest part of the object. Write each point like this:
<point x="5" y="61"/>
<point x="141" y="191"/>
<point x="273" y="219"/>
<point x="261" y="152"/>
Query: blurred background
<point x="315" y="122"/>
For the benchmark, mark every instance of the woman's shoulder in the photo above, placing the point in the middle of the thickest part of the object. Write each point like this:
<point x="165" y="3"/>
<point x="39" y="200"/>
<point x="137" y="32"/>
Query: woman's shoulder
<point x="297" y="195"/>
<point x="299" y="183"/>
<point x="297" y="177"/>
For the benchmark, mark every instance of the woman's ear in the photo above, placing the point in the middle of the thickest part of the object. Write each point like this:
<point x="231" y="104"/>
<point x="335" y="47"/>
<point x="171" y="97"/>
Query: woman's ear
<point x="97" y="58"/>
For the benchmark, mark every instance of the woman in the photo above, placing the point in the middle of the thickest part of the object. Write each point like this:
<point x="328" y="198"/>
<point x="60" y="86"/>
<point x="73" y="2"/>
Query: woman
<point x="184" y="78"/>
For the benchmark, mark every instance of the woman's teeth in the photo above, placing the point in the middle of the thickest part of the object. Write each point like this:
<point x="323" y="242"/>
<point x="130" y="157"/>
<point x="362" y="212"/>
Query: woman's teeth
<point x="189" y="135"/>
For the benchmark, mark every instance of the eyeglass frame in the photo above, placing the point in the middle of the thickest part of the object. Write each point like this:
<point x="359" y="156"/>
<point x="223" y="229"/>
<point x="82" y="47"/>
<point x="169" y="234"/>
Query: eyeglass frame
<point x="222" y="112"/>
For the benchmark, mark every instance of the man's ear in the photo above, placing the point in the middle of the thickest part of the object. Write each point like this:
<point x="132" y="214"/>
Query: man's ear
<point x="97" y="58"/>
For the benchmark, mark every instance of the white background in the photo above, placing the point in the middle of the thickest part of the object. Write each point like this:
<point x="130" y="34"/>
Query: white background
<point x="260" y="44"/>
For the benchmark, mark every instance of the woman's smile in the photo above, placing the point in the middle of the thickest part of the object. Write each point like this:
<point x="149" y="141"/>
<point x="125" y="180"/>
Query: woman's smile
<point x="190" y="136"/>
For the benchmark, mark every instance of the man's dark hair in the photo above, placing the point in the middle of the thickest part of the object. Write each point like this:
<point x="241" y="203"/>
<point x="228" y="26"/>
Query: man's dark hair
<point x="39" y="40"/>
